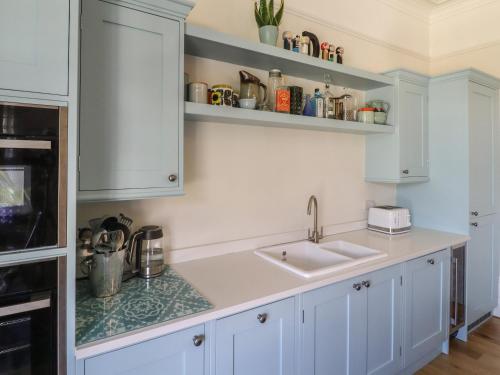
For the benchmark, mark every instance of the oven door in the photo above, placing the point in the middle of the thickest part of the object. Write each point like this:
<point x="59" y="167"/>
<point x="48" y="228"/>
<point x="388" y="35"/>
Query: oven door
<point x="28" y="194"/>
<point x="27" y="340"/>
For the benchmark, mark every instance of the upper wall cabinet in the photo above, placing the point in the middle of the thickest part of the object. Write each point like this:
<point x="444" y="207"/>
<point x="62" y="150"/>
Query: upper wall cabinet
<point x="131" y="109"/>
<point x="402" y="157"/>
<point x="34" y="46"/>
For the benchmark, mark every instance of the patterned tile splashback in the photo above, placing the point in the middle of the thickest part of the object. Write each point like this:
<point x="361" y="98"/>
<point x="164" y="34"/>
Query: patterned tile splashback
<point x="140" y="303"/>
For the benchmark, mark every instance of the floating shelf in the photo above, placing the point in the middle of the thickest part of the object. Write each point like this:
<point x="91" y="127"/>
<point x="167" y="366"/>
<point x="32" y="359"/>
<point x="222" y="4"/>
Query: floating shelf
<point x="238" y="116"/>
<point x="210" y="44"/>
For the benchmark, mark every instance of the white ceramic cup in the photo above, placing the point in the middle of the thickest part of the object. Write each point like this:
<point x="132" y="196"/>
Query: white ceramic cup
<point x="248" y="103"/>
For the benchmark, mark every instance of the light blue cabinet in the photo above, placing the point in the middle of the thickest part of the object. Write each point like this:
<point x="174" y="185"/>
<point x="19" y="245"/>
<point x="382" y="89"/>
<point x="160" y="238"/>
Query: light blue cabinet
<point x="131" y="108"/>
<point x="34" y="38"/>
<point x="482" y="266"/>
<point x="402" y="157"/>
<point x="258" y="341"/>
<point x="426" y="285"/>
<point x="175" y="354"/>
<point x="354" y="327"/>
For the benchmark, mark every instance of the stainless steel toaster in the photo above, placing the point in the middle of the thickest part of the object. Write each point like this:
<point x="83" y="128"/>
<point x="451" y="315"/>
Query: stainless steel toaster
<point x="389" y="219"/>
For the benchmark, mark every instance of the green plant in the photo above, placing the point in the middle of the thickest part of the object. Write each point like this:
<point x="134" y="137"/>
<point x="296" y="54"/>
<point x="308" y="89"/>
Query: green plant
<point x="264" y="13"/>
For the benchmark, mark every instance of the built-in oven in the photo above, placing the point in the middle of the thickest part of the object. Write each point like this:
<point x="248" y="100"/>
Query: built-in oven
<point x="33" y="173"/>
<point x="32" y="322"/>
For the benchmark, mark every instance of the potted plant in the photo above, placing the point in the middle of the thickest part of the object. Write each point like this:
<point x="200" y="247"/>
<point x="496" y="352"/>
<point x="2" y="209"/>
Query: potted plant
<point x="268" y="21"/>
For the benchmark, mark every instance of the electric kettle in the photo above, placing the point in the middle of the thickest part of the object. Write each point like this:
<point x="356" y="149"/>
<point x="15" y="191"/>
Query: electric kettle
<point x="147" y="246"/>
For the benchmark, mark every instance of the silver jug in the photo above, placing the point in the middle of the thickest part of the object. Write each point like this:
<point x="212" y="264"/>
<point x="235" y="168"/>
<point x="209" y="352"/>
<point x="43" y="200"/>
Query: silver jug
<point x="105" y="270"/>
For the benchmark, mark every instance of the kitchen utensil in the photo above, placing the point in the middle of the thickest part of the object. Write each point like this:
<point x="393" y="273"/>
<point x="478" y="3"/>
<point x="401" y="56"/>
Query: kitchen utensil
<point x="105" y="271"/>
<point x="248" y="103"/>
<point x="122" y="227"/>
<point x="98" y="236"/>
<point x="83" y="249"/>
<point x="107" y="222"/>
<point x="252" y="88"/>
<point x="116" y="240"/>
<point x="96" y="223"/>
<point x="122" y="219"/>
<point x="147" y="247"/>
<point x="198" y="92"/>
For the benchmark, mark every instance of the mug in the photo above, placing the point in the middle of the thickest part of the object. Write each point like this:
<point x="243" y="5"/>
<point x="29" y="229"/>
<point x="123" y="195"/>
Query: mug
<point x="222" y="95"/>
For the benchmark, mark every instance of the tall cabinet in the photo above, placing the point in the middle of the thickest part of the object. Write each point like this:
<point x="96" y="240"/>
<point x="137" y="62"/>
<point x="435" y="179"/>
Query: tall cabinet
<point x="131" y="107"/>
<point x="461" y="194"/>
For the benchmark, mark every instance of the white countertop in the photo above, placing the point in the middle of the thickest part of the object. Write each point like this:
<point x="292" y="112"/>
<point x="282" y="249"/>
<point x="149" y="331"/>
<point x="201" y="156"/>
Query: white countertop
<point x="241" y="281"/>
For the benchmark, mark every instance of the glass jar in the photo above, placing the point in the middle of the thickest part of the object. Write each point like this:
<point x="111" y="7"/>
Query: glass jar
<point x="275" y="80"/>
<point x="366" y="115"/>
<point x="329" y="102"/>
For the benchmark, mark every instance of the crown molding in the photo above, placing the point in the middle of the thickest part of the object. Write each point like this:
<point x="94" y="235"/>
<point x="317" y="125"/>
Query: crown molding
<point x="447" y="10"/>
<point x="464" y="51"/>
<point x="325" y="22"/>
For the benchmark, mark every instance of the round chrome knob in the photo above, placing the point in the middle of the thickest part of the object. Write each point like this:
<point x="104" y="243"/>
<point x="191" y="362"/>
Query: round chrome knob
<point x="262" y="317"/>
<point x="198" y="340"/>
<point x="474" y="213"/>
<point x="172" y="178"/>
<point x="366" y="283"/>
<point x="406" y="171"/>
<point x="357" y="286"/>
<point x="474" y="224"/>
<point x="430" y="261"/>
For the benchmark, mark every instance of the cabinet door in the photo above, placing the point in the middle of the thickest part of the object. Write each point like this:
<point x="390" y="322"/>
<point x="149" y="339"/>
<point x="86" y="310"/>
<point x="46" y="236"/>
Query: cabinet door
<point x="334" y="330"/>
<point x="483" y="117"/>
<point x="258" y="341"/>
<point x="482" y="279"/>
<point x="426" y="284"/>
<point x="129" y="114"/>
<point x="413" y="130"/>
<point x="174" y="354"/>
<point x="34" y="45"/>
<point x="384" y="321"/>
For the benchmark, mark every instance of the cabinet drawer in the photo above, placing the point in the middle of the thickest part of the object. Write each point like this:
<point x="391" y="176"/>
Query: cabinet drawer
<point x="174" y="354"/>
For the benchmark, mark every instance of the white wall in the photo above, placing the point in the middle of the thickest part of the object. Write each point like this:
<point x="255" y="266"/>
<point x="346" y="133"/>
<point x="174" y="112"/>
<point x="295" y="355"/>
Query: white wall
<point x="242" y="182"/>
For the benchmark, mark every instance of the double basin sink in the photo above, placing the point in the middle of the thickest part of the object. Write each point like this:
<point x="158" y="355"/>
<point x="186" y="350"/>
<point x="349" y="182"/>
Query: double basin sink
<point x="309" y="259"/>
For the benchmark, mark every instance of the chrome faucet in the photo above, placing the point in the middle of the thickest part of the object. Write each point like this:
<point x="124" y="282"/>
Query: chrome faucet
<point x="315" y="236"/>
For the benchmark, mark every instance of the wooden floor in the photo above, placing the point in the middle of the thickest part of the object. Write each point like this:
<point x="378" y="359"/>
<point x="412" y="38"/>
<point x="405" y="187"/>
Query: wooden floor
<point x="480" y="355"/>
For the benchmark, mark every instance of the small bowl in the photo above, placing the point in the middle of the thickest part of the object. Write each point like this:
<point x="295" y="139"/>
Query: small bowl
<point x="248" y="103"/>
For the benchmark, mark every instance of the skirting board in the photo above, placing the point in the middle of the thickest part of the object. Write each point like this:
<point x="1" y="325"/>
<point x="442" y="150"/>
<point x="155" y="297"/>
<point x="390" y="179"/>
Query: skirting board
<point x="496" y="312"/>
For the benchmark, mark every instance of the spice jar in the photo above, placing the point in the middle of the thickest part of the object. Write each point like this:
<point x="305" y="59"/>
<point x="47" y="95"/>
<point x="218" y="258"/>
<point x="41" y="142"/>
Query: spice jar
<point x="366" y="115"/>
<point x="283" y="99"/>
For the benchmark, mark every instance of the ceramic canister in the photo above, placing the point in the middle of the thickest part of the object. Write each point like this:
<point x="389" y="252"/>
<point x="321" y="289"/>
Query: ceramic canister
<point x="198" y="92"/>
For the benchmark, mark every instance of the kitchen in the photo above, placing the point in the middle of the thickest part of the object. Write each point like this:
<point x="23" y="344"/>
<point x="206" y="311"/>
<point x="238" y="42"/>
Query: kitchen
<point x="224" y="182"/>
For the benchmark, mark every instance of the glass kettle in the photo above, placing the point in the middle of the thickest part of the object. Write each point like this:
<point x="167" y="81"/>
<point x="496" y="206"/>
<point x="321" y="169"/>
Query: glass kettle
<point x="147" y="246"/>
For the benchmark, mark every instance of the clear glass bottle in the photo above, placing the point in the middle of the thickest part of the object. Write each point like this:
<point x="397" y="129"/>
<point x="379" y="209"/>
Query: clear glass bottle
<point x="275" y="80"/>
<point x="329" y="102"/>
<point x="319" y="104"/>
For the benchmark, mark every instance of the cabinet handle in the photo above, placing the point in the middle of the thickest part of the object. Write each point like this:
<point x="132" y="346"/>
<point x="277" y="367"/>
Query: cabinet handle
<point x="366" y="283"/>
<point x="172" y="178"/>
<point x="474" y="213"/>
<point x="406" y="171"/>
<point x="430" y="261"/>
<point x="262" y="318"/>
<point x="357" y="286"/>
<point x="198" y="340"/>
<point x="474" y="224"/>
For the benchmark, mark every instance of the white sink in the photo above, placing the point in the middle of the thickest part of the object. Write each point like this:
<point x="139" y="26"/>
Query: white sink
<point x="308" y="259"/>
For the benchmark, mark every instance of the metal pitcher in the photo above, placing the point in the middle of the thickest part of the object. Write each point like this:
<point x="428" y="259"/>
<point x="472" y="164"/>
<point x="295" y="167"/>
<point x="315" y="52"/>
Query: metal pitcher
<point x="105" y="271"/>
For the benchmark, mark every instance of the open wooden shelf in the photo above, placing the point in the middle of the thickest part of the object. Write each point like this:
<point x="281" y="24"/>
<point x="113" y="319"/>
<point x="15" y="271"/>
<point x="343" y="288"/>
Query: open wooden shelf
<point x="238" y="116"/>
<point x="210" y="44"/>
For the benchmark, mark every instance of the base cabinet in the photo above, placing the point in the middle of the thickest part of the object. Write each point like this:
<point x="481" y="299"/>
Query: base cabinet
<point x="482" y="268"/>
<point x="175" y="354"/>
<point x="426" y="284"/>
<point x="259" y="341"/>
<point x="354" y="327"/>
